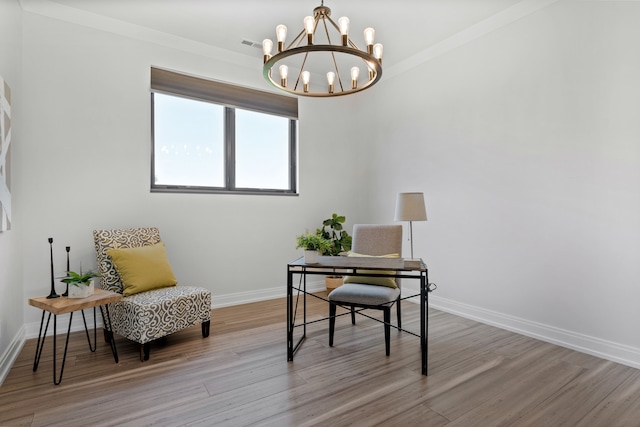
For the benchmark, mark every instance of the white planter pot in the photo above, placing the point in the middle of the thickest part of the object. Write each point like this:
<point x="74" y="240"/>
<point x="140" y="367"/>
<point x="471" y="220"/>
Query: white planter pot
<point x="81" y="291"/>
<point x="311" y="257"/>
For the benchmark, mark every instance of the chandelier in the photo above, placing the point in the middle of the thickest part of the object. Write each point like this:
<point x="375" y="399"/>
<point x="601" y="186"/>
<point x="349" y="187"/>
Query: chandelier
<point x="320" y="55"/>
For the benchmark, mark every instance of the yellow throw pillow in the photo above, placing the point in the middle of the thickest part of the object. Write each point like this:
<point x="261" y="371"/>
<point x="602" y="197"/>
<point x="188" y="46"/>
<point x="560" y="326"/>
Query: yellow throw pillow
<point x="143" y="269"/>
<point x="370" y="280"/>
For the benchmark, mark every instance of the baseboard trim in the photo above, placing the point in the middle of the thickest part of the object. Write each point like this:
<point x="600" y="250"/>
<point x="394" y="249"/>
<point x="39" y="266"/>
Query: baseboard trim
<point x="238" y="298"/>
<point x="616" y="352"/>
<point x="33" y="329"/>
<point x="11" y="354"/>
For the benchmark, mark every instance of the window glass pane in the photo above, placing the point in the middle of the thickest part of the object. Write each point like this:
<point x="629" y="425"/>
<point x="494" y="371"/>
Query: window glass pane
<point x="188" y="142"/>
<point x="262" y="151"/>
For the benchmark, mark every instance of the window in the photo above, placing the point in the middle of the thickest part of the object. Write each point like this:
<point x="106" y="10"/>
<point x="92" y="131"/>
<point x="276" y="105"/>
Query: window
<point x="209" y="137"/>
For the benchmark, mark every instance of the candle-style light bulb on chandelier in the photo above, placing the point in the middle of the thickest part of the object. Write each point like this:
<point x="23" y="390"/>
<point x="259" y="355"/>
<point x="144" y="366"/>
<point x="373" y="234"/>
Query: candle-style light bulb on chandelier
<point x="316" y="63"/>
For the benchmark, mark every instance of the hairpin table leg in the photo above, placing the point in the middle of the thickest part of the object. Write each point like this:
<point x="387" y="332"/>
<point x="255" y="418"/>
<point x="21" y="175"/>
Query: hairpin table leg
<point x="95" y="334"/>
<point x="40" y="343"/>
<point x="58" y="380"/>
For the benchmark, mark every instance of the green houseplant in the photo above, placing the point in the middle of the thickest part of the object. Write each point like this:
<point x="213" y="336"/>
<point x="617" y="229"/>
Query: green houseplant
<point x="81" y="283"/>
<point x="313" y="245"/>
<point x="333" y="230"/>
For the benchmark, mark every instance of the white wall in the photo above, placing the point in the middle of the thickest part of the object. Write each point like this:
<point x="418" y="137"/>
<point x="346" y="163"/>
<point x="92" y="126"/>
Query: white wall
<point x="11" y="300"/>
<point x="526" y="144"/>
<point x="87" y="159"/>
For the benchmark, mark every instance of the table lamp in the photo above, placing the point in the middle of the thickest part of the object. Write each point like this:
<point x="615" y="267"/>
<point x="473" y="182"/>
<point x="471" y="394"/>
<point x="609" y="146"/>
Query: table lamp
<point x="410" y="207"/>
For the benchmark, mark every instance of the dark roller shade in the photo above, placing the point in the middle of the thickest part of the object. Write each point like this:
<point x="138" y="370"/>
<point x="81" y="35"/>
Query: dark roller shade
<point x="170" y="82"/>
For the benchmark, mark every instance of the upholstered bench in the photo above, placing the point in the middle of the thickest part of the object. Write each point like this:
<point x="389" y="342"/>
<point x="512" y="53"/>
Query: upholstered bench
<point x="153" y="306"/>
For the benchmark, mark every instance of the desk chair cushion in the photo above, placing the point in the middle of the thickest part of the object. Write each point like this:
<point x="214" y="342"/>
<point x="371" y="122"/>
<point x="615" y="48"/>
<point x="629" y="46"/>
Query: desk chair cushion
<point x="364" y="294"/>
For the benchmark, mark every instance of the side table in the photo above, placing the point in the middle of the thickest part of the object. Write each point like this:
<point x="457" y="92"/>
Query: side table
<point x="64" y="305"/>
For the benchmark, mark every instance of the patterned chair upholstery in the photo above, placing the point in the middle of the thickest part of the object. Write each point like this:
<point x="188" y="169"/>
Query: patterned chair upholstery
<point x="149" y="315"/>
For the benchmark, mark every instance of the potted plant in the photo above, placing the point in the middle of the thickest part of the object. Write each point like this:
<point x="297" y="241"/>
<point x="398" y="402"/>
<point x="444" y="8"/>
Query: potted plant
<point x="313" y="245"/>
<point x="81" y="283"/>
<point x="332" y="230"/>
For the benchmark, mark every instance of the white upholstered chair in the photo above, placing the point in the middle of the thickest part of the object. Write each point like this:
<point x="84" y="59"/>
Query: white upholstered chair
<point x="358" y="291"/>
<point x="150" y="314"/>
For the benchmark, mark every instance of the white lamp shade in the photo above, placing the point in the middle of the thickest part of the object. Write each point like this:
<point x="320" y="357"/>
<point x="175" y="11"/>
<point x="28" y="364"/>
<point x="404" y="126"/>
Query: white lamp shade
<point x="410" y="207"/>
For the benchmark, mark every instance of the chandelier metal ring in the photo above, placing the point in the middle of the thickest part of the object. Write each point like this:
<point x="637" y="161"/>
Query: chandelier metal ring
<point x="372" y="63"/>
<point x="344" y="58"/>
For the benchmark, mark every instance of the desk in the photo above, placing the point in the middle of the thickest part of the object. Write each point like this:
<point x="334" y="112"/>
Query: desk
<point x="404" y="269"/>
<point x="64" y="305"/>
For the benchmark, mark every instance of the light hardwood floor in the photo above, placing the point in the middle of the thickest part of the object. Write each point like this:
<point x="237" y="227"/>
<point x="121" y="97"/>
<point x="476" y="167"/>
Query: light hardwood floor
<point x="479" y="376"/>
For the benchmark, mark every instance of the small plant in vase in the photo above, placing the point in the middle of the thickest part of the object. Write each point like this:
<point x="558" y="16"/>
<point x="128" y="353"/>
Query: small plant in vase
<point x="313" y="245"/>
<point x="81" y="283"/>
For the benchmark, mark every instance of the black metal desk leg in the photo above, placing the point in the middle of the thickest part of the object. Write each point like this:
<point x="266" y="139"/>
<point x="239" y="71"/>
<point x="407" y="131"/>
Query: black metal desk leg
<point x="304" y="307"/>
<point x="428" y="290"/>
<point x="423" y="322"/>
<point x="289" y="315"/>
<point x="40" y="344"/>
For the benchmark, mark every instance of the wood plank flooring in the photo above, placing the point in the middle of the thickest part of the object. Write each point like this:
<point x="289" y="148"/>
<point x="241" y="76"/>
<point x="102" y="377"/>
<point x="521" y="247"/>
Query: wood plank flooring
<point x="239" y="376"/>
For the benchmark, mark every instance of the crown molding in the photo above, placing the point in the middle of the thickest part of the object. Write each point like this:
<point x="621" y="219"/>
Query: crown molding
<point x="87" y="19"/>
<point x="494" y="22"/>
<point x="499" y="20"/>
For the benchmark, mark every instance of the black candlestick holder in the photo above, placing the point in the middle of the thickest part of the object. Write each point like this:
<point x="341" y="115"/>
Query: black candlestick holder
<point x="68" y="249"/>
<point x="52" y="294"/>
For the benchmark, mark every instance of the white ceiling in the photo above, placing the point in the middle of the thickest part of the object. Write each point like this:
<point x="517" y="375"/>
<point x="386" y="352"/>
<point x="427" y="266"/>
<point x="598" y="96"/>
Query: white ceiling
<point x="405" y="27"/>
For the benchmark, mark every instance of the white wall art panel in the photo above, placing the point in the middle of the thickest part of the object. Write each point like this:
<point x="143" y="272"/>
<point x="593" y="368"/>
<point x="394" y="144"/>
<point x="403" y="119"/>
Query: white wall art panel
<point x="5" y="142"/>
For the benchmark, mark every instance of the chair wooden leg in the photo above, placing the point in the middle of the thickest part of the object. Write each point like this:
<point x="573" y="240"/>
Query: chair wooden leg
<point x="353" y="315"/>
<point x="399" y="316"/>
<point x="332" y="322"/>
<point x="205" y="328"/>
<point x="107" y="336"/>
<point x="145" y="349"/>
<point x="387" y="330"/>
